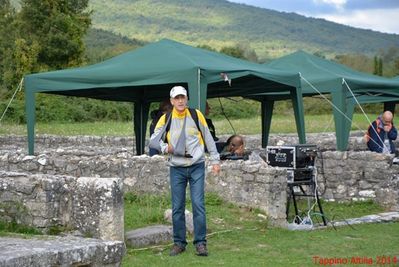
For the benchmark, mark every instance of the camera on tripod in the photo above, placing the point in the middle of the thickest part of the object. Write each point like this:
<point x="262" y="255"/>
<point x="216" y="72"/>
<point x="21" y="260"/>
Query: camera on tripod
<point x="299" y="160"/>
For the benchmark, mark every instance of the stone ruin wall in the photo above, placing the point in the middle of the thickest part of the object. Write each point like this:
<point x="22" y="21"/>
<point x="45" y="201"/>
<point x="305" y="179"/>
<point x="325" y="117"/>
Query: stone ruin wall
<point x="245" y="183"/>
<point x="109" y="145"/>
<point x="88" y="207"/>
<point x="363" y="175"/>
<point x="342" y="176"/>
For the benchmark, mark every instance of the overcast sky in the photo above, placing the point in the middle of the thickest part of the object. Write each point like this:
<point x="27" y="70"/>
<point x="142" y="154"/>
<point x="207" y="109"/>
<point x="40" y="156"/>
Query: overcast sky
<point x="378" y="15"/>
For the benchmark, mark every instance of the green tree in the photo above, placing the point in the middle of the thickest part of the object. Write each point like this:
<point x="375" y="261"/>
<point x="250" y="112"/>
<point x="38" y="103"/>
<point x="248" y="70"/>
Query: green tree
<point x="233" y="51"/>
<point x="380" y="67"/>
<point x="396" y="65"/>
<point x="375" y="72"/>
<point x="58" y="27"/>
<point x="43" y="35"/>
<point x="319" y="54"/>
<point x="252" y="56"/>
<point x="207" y="47"/>
<point x="7" y="37"/>
<point x="243" y="51"/>
<point x="358" y="62"/>
<point x="23" y="59"/>
<point x="390" y="54"/>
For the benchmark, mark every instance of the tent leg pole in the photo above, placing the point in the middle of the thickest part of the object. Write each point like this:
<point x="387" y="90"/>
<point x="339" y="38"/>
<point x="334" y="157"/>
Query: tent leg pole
<point x="266" y="116"/>
<point x="297" y="102"/>
<point x="30" y="121"/>
<point x="390" y="106"/>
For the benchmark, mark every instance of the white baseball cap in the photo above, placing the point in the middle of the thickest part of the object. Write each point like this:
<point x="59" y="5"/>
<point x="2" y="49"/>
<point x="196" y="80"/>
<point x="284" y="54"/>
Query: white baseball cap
<point x="177" y="90"/>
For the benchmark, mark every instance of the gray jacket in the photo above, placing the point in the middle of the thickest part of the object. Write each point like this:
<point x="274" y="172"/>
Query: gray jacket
<point x="194" y="142"/>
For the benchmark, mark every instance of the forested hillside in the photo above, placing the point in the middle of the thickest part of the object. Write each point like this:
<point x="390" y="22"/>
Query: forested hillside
<point x="101" y="45"/>
<point x="45" y="35"/>
<point x="219" y="23"/>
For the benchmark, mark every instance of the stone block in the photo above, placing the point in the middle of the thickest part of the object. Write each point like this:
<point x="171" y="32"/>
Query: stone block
<point x="28" y="165"/>
<point x="60" y="251"/>
<point x="151" y="235"/>
<point x="248" y="177"/>
<point x="188" y="217"/>
<point x="363" y="185"/>
<point x="250" y="167"/>
<point x="94" y="206"/>
<point x="367" y="193"/>
<point x="98" y="207"/>
<point x="388" y="198"/>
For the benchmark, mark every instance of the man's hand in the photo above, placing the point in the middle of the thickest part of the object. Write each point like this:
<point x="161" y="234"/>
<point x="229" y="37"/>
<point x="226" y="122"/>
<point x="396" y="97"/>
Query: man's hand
<point x="387" y="127"/>
<point x="239" y="151"/>
<point x="216" y="169"/>
<point x="170" y="149"/>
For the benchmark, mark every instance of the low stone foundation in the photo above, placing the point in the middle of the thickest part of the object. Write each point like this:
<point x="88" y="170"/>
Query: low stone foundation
<point x="60" y="251"/>
<point x="350" y="175"/>
<point x="342" y="176"/>
<point x="243" y="182"/>
<point x="66" y="186"/>
<point x="252" y="184"/>
<point x="91" y="206"/>
<point x="106" y="145"/>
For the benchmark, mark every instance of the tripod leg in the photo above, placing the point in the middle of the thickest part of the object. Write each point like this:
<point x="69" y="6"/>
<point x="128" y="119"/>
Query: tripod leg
<point x="295" y="206"/>
<point x="302" y="190"/>
<point x="320" y="208"/>
<point x="287" y="211"/>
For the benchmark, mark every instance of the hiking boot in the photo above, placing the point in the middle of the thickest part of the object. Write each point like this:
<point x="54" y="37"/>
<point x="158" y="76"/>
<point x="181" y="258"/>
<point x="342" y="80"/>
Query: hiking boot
<point x="176" y="250"/>
<point x="201" y="250"/>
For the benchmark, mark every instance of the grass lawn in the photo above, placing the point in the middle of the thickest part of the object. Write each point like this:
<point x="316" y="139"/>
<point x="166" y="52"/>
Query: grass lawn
<point x="280" y="124"/>
<point x="237" y="236"/>
<point x="278" y="247"/>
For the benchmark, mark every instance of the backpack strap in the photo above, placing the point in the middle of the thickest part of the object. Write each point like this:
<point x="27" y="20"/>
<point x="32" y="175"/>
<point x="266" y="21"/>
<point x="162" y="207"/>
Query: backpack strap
<point x="168" y="121"/>
<point x="194" y="116"/>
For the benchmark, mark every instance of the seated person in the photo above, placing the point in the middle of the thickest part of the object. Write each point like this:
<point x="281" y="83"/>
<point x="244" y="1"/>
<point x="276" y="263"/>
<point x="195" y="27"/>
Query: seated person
<point x="234" y="149"/>
<point x="164" y="107"/>
<point x="381" y="134"/>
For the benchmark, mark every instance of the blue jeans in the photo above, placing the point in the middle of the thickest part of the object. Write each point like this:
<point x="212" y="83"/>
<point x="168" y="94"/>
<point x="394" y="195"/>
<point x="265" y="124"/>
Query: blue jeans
<point x="195" y="176"/>
<point x="153" y="152"/>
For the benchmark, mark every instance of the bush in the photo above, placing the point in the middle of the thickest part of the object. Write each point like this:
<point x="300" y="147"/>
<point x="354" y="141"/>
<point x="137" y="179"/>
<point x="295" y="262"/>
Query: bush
<point x="234" y="108"/>
<point x="52" y="108"/>
<point x="239" y="108"/>
<point x="15" y="112"/>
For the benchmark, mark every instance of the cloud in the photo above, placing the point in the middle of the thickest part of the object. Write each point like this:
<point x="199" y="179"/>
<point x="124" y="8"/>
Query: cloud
<point x="338" y="4"/>
<point x="378" y="15"/>
<point x="312" y="6"/>
<point x="376" y="19"/>
<point x="371" y="4"/>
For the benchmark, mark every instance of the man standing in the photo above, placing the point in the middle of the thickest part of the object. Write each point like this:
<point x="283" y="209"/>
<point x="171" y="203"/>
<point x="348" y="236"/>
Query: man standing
<point x="381" y="134"/>
<point x="185" y="144"/>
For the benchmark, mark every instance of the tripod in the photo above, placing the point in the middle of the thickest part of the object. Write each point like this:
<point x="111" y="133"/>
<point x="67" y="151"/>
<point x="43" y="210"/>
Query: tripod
<point x="303" y="179"/>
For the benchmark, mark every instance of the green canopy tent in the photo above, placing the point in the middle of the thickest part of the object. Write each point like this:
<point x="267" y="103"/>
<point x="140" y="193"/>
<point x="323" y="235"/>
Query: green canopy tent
<point x="321" y="76"/>
<point x="146" y="75"/>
